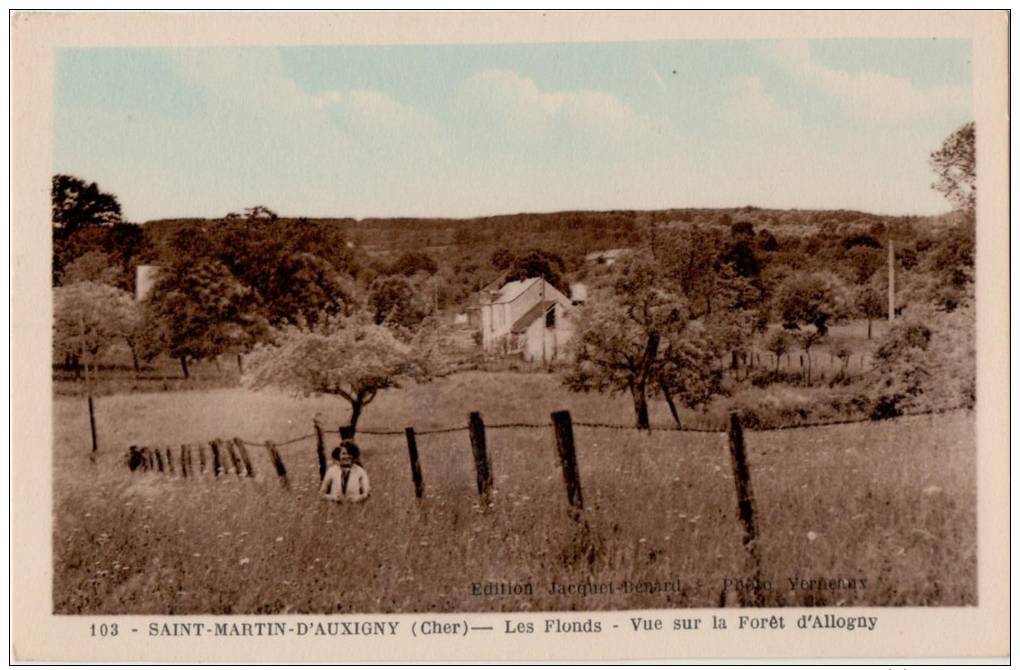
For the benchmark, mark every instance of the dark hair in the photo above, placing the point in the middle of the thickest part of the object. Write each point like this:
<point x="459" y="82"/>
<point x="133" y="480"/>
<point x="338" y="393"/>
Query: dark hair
<point x="335" y="454"/>
<point x="354" y="451"/>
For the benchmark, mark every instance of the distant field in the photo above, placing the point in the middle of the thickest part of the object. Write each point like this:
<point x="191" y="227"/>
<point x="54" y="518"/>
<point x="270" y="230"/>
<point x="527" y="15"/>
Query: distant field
<point x="890" y="502"/>
<point x="117" y="375"/>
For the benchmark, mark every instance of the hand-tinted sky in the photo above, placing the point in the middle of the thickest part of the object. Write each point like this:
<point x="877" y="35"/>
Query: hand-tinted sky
<point x="469" y="130"/>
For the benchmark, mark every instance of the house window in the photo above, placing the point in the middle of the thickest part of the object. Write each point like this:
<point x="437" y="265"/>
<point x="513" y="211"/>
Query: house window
<point x="550" y="318"/>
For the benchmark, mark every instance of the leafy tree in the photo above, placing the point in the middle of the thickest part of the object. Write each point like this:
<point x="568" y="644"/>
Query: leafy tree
<point x="305" y="289"/>
<point x="412" y="262"/>
<point x="741" y="257"/>
<point x="88" y="318"/>
<point x="121" y="243"/>
<point x="342" y="357"/>
<point x="92" y="266"/>
<point x="901" y="370"/>
<point x="778" y="342"/>
<point x="767" y="241"/>
<point x="392" y="301"/>
<point x="810" y="300"/>
<point x="77" y="205"/>
<point x="742" y="229"/>
<point x="950" y="264"/>
<point x="200" y="311"/>
<point x="869" y="304"/>
<point x="862" y="263"/>
<point x="688" y="260"/>
<point x="501" y="258"/>
<point x="860" y="240"/>
<point x="538" y="263"/>
<point x="635" y="337"/>
<point x="260" y="212"/>
<point x="954" y="167"/>
<point x="85" y="220"/>
<point x="686" y="371"/>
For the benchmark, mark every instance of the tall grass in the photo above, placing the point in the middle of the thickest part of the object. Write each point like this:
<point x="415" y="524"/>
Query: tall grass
<point x="892" y="502"/>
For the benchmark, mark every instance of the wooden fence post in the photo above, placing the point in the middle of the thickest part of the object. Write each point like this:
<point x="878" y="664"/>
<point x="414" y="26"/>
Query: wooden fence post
<point x="149" y="459"/>
<point x="201" y="457"/>
<point x="185" y="458"/>
<point x="274" y="456"/>
<point x="169" y="460"/>
<point x="214" y="446"/>
<point x="234" y="460"/>
<point x="568" y="460"/>
<point x="243" y="451"/>
<point x="92" y="421"/>
<point x="320" y="445"/>
<point x="159" y="458"/>
<point x="134" y="458"/>
<point x="483" y="470"/>
<point x="745" y="506"/>
<point x="412" y="452"/>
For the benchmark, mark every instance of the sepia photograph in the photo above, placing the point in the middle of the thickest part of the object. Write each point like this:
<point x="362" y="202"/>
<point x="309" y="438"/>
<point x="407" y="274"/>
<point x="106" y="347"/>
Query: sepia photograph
<point x="535" y="327"/>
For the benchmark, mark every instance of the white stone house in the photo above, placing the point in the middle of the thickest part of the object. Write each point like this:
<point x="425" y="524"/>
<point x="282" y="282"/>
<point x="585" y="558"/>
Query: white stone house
<point x="529" y="318"/>
<point x="146" y="277"/>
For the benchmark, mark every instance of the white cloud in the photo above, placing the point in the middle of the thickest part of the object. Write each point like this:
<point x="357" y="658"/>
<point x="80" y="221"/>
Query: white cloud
<point x="242" y="77"/>
<point x="869" y="96"/>
<point x="751" y="109"/>
<point x="516" y="103"/>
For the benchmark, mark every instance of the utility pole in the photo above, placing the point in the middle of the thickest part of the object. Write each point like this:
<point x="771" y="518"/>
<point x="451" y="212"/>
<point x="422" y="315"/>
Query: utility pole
<point x="892" y="281"/>
<point x="88" y="391"/>
<point x="543" y="317"/>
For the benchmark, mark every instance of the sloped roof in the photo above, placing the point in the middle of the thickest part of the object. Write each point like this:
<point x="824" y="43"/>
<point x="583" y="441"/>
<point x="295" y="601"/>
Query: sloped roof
<point x="528" y="318"/>
<point x="512" y="290"/>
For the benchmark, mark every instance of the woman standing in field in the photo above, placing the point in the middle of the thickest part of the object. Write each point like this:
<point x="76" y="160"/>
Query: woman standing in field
<point x="345" y="480"/>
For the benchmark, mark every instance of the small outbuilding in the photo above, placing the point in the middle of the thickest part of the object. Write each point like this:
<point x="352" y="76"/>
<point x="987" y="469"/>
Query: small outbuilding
<point x="529" y="317"/>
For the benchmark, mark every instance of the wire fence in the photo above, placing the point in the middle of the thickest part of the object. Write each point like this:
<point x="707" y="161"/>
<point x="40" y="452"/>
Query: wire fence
<point x="718" y="430"/>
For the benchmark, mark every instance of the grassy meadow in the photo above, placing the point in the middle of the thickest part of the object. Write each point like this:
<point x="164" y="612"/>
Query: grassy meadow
<point x="890" y="502"/>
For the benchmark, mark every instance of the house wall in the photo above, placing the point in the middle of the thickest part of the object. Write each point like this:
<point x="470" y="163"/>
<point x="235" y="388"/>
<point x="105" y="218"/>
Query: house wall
<point x="496" y="322"/>
<point x="556" y="339"/>
<point x="498" y="318"/>
<point x="145" y="278"/>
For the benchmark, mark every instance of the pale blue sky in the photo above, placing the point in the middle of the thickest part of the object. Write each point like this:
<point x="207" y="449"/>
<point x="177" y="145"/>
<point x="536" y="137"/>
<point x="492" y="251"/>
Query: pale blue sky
<point x="488" y="129"/>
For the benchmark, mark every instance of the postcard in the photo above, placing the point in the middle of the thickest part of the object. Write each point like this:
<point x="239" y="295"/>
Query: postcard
<point x="509" y="336"/>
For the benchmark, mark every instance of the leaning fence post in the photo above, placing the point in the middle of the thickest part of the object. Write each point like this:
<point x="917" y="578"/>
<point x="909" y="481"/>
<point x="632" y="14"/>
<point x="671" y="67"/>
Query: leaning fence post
<point x="274" y="456"/>
<point x="476" y="428"/>
<point x="320" y="445"/>
<point x="159" y="458"/>
<point x="134" y="458"/>
<point x="412" y="452"/>
<point x="201" y="457"/>
<point x="234" y="460"/>
<point x="169" y="460"/>
<point x="244" y="456"/>
<point x="185" y="458"/>
<point x="214" y="446"/>
<point x="564" y="428"/>
<point x="745" y="503"/>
